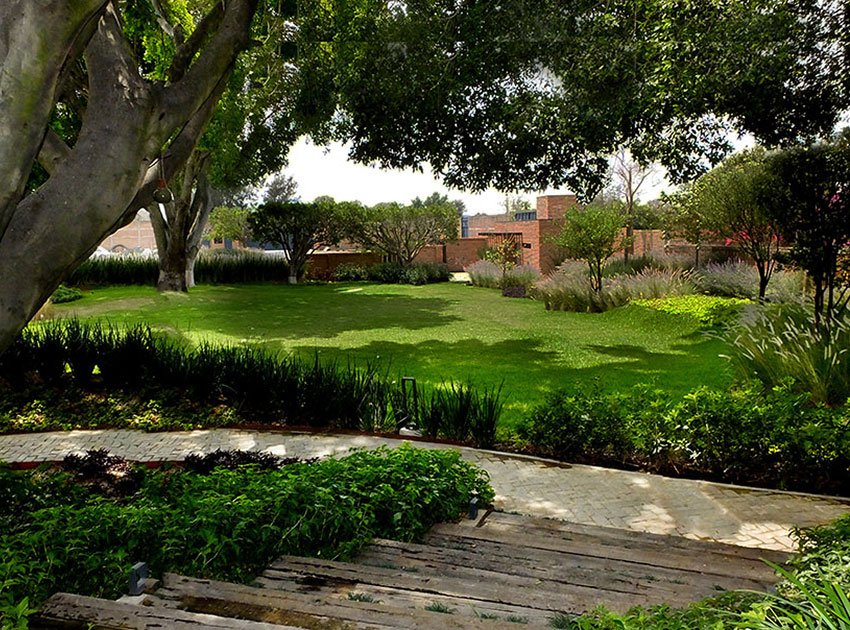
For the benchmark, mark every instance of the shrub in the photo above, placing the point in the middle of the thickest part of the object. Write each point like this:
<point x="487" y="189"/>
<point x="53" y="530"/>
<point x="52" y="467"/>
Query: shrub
<point x="569" y="289"/>
<point x="522" y="276"/>
<point x="211" y="267"/>
<point x="348" y="271"/>
<point x="65" y="294"/>
<point x="250" y="383"/>
<point x="635" y="264"/>
<point x="201" y="464"/>
<point x="707" y="310"/>
<point x="230" y="524"/>
<point x="741" y="436"/>
<point x="777" y="346"/>
<point x="484" y="273"/>
<point x="394" y="273"/>
<point x="738" y="279"/>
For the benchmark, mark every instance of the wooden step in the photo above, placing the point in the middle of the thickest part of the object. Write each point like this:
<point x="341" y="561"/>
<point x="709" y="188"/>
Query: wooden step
<point x="497" y="588"/>
<point x="702" y="558"/>
<point x="540" y="526"/>
<point x="64" y="610"/>
<point x="313" y="610"/>
<point x="656" y="585"/>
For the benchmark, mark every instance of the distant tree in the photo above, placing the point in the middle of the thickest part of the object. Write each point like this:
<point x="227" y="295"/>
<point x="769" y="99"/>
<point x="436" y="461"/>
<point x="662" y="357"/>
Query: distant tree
<point x="514" y="205"/>
<point x="810" y="203"/>
<point x="401" y="231"/>
<point x="683" y="218"/>
<point x="281" y="188"/>
<point x="593" y="234"/>
<point x="504" y="254"/>
<point x="629" y="178"/>
<point x="731" y="200"/>
<point x="297" y="227"/>
<point x="229" y="222"/>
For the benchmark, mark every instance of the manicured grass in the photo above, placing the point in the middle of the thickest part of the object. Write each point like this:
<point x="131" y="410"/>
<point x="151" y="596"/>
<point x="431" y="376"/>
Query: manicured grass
<point x="435" y="332"/>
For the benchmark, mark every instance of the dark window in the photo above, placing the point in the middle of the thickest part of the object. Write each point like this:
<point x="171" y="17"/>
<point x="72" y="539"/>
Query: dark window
<point x="526" y="216"/>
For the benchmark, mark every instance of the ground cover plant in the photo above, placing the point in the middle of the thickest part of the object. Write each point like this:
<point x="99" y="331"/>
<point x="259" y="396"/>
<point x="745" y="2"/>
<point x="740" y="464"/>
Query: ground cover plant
<point x="774" y="438"/>
<point x="221" y="384"/>
<point x="434" y="333"/>
<point x="393" y="273"/>
<point x="813" y="594"/>
<point x="228" y="524"/>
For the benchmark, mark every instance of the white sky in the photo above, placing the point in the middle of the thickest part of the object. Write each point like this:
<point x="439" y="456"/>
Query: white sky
<point x="327" y="171"/>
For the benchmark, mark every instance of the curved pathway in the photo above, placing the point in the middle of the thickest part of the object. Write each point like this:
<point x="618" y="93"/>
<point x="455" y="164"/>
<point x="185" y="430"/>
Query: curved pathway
<point x="582" y="494"/>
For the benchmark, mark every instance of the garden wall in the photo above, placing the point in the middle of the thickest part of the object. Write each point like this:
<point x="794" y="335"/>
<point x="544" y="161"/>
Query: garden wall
<point x="321" y="265"/>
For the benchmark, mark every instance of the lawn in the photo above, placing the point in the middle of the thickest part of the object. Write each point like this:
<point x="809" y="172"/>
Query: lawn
<point x="434" y="333"/>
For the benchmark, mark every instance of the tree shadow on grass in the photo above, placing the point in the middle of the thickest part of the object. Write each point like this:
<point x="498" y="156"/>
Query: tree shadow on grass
<point x="275" y="312"/>
<point x="529" y="372"/>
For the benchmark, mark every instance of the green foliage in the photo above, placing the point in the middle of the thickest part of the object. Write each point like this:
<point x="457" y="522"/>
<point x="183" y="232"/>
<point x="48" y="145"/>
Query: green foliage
<point x="401" y="231"/>
<point x="211" y="267"/>
<point x="253" y="384"/>
<point x="521" y="276"/>
<point x="65" y="294"/>
<point x="811" y="207"/>
<point x="228" y="222"/>
<point x="784" y="347"/>
<point x="394" y="273"/>
<point x="707" y="310"/>
<point x="730" y="199"/>
<point x="592" y="234"/>
<point x="742" y="436"/>
<point x="569" y="289"/>
<point x="226" y="525"/>
<point x="297" y="227"/>
<point x="735" y="278"/>
<point x="504" y="254"/>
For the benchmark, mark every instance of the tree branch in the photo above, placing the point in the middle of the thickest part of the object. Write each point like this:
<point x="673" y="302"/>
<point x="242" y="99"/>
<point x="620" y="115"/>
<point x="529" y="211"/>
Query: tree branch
<point x="53" y="151"/>
<point x="187" y="51"/>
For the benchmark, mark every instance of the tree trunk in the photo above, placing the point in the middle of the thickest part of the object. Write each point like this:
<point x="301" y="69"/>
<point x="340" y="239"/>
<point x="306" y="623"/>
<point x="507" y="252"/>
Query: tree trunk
<point x="764" y="278"/>
<point x="100" y="181"/>
<point x="191" y="259"/>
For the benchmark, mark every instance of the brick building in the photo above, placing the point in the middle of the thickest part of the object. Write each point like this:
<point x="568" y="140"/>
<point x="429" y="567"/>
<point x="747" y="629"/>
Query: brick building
<point x="136" y="236"/>
<point x="531" y="231"/>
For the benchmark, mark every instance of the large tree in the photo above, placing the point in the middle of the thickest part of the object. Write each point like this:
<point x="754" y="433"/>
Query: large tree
<point x="516" y="94"/>
<point x="731" y="199"/>
<point x="132" y="130"/>
<point x="402" y="231"/>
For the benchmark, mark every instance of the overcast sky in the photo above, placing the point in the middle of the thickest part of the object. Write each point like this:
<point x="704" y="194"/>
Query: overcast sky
<point x="326" y="171"/>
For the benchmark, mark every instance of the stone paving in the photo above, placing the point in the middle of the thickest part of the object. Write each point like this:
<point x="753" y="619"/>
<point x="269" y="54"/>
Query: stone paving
<point x="583" y="494"/>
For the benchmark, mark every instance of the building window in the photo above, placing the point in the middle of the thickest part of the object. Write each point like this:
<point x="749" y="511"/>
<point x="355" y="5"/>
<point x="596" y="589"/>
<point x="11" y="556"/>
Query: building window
<point x="464" y="227"/>
<point x="526" y="216"/>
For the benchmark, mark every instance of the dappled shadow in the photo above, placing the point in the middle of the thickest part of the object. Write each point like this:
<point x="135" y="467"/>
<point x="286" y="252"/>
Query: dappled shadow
<point x="528" y="371"/>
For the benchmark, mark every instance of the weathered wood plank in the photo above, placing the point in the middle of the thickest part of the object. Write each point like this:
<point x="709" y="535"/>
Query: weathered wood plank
<point x="543" y="526"/>
<point x="505" y="589"/>
<point x="667" y="585"/>
<point x="64" y="610"/>
<point x="673" y="559"/>
<point x="310" y="611"/>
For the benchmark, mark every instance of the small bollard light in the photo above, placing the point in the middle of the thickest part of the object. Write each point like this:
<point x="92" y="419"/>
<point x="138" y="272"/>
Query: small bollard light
<point x="473" y="508"/>
<point x="138" y="576"/>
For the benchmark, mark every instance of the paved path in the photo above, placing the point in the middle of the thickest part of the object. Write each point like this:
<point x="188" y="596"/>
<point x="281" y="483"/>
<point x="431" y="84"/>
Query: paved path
<point x="582" y="494"/>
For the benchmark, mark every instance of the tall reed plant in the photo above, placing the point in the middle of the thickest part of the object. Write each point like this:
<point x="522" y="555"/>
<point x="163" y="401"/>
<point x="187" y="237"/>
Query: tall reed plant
<point x="777" y="346"/>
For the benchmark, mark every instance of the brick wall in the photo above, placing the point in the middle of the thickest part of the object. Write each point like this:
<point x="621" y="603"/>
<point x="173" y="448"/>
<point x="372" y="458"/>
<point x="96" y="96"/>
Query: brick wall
<point x="459" y="254"/>
<point x="135" y="236"/>
<point x="321" y="265"/>
<point x="554" y="206"/>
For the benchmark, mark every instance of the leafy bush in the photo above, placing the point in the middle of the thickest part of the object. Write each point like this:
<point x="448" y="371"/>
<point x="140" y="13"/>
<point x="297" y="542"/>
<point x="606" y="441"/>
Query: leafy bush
<point x="65" y="294"/>
<point x="778" y="346"/>
<point x="103" y="474"/>
<point x="212" y="267"/>
<point x="216" y="384"/>
<point x="707" y="310"/>
<point x="635" y="264"/>
<point x="394" y="273"/>
<point x="742" y="436"/>
<point x="227" y="525"/>
<point x="738" y="279"/>
<point x="484" y="273"/>
<point x="349" y="271"/>
<point x="201" y="464"/>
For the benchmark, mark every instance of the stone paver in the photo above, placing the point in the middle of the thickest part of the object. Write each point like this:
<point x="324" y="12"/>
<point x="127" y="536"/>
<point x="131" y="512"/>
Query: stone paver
<point x="583" y="494"/>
